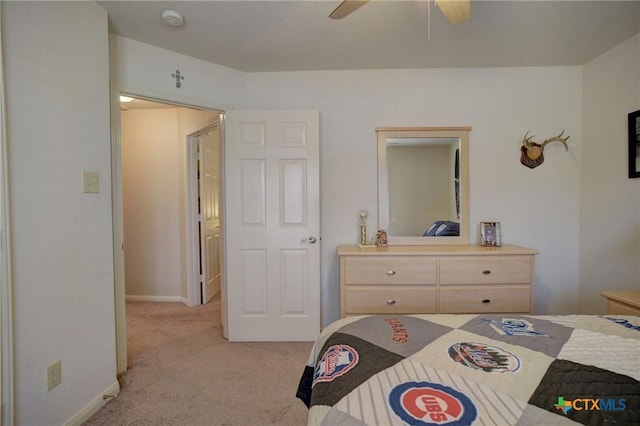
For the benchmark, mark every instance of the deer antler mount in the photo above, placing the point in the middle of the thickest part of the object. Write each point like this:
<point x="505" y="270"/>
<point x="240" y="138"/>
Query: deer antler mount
<point x="532" y="152"/>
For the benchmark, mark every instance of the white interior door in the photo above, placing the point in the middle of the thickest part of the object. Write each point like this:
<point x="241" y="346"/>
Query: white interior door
<point x="209" y="196"/>
<point x="272" y="225"/>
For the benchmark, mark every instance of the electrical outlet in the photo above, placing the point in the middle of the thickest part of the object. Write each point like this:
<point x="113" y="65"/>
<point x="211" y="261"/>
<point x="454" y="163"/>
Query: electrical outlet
<point x="54" y="375"/>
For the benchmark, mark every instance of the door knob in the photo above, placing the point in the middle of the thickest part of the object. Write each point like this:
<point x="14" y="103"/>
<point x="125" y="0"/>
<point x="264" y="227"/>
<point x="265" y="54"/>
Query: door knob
<point x="310" y="240"/>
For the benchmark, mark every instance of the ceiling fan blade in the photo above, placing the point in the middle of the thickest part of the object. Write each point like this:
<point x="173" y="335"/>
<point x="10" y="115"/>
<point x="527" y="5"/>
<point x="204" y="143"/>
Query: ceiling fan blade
<point x="456" y="11"/>
<point x="347" y="7"/>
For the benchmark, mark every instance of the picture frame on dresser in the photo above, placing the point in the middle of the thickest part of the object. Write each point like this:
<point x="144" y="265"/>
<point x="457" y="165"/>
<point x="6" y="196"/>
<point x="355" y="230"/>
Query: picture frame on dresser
<point x="490" y="234"/>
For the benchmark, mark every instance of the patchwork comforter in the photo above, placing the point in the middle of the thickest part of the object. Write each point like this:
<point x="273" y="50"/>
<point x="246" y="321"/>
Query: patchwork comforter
<point x="475" y="369"/>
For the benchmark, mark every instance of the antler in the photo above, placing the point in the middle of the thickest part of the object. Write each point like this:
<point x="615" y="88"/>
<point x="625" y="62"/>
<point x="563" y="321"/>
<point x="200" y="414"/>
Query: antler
<point x="527" y="140"/>
<point x="558" y="138"/>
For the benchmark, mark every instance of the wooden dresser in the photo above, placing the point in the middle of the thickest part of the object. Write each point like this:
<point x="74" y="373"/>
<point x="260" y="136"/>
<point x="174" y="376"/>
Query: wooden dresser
<point x="436" y="279"/>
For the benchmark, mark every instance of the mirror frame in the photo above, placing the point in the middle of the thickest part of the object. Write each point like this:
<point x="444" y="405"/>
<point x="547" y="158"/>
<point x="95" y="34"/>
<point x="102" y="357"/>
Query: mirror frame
<point x="461" y="133"/>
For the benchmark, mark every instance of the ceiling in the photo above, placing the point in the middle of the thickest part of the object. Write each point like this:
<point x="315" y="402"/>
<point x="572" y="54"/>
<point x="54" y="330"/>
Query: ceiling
<point x="263" y="36"/>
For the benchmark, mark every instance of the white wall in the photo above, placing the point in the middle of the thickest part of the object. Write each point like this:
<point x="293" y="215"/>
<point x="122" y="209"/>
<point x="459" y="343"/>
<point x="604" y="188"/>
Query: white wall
<point x="151" y="203"/>
<point x="142" y="69"/>
<point x="57" y="88"/>
<point x="538" y="208"/>
<point x="153" y="170"/>
<point x="610" y="201"/>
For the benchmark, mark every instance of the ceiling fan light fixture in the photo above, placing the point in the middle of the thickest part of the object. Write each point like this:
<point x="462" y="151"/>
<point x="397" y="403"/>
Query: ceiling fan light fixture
<point x="172" y="18"/>
<point x="456" y="11"/>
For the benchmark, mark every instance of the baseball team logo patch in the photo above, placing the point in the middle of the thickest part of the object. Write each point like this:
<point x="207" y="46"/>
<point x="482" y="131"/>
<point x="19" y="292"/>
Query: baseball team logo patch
<point x="480" y="356"/>
<point x="515" y="327"/>
<point x="336" y="361"/>
<point x="428" y="404"/>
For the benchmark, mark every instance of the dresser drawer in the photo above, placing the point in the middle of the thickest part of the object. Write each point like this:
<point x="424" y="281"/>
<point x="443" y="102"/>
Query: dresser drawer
<point x="617" y="308"/>
<point x="485" y="299"/>
<point x="375" y="270"/>
<point x="388" y="300"/>
<point x="485" y="270"/>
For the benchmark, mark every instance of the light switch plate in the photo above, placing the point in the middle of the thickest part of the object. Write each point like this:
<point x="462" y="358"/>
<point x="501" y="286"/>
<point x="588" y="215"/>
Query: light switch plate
<point x="90" y="182"/>
<point x="54" y="375"/>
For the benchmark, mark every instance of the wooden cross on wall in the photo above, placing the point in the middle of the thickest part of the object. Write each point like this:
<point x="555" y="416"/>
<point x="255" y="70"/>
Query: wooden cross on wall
<point x="178" y="77"/>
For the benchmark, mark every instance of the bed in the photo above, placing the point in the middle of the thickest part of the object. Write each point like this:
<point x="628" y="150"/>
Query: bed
<point x="475" y="369"/>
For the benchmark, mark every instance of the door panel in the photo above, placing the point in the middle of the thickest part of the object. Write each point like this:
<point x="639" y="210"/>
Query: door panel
<point x="293" y="264"/>
<point x="253" y="188"/>
<point x="293" y="192"/>
<point x="272" y="208"/>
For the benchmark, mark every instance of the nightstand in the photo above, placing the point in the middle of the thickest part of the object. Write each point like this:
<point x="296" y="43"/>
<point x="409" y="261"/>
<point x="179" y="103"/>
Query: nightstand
<point x="622" y="302"/>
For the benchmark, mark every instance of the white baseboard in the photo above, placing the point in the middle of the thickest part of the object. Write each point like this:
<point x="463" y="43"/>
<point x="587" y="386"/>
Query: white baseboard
<point x="93" y="407"/>
<point x="136" y="298"/>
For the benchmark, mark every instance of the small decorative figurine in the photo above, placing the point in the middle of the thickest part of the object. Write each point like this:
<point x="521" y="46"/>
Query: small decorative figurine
<point x="381" y="238"/>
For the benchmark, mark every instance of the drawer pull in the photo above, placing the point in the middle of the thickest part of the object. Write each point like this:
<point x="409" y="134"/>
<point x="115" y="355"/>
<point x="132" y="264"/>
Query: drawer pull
<point x="486" y="272"/>
<point x="391" y="302"/>
<point x="391" y="272"/>
<point x="486" y="301"/>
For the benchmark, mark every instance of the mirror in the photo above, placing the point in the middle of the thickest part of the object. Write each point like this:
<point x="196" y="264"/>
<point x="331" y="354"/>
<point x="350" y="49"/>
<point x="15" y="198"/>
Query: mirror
<point x="423" y="185"/>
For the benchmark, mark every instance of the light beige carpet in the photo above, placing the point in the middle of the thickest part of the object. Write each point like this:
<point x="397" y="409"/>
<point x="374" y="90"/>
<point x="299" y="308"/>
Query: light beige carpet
<point x="183" y="372"/>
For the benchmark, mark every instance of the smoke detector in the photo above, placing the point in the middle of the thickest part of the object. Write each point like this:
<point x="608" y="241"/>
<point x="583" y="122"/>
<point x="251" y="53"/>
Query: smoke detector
<point x="172" y="18"/>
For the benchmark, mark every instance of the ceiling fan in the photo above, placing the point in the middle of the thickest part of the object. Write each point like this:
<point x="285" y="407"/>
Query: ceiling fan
<point x="456" y="11"/>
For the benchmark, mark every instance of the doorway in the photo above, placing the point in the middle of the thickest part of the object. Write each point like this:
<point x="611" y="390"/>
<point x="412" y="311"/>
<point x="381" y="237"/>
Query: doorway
<point x="155" y="174"/>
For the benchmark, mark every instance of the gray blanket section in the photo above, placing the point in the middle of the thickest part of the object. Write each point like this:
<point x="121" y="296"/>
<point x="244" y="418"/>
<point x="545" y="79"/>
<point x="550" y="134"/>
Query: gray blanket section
<point x="400" y="334"/>
<point x="574" y="381"/>
<point x="533" y="333"/>
<point x="371" y="359"/>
